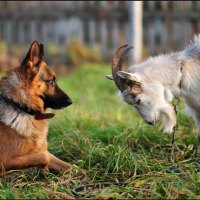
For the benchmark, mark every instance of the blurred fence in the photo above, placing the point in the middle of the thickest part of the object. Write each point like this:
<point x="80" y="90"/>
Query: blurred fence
<point x="93" y="22"/>
<point x="167" y="25"/>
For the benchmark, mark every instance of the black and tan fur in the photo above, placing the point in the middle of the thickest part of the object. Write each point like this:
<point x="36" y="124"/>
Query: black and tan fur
<point x="25" y="93"/>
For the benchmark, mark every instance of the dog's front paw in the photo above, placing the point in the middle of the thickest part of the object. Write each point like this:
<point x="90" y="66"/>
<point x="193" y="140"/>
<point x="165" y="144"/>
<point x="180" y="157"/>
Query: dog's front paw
<point x="79" y="170"/>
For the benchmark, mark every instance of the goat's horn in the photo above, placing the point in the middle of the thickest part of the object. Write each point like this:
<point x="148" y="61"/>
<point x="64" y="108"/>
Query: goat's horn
<point x="118" y="64"/>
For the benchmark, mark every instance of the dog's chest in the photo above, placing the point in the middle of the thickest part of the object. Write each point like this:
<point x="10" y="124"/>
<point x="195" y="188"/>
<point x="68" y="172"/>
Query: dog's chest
<point x="14" y="144"/>
<point x="26" y="125"/>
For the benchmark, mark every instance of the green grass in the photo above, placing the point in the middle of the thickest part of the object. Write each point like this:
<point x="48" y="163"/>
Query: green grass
<point x="107" y="137"/>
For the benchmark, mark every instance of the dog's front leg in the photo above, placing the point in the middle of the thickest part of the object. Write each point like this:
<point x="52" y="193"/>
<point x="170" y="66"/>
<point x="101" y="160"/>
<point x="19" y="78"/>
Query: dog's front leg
<point x="57" y="164"/>
<point x="37" y="159"/>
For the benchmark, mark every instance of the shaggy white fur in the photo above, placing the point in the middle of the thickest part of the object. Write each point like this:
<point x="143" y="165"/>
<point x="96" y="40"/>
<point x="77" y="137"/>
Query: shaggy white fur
<point x="163" y="78"/>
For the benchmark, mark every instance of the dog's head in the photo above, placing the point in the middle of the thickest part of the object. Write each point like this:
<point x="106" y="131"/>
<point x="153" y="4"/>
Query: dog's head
<point x="149" y="97"/>
<point x="41" y="83"/>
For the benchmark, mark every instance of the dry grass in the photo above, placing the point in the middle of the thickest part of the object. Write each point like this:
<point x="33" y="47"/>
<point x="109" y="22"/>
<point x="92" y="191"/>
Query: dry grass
<point x="108" y="138"/>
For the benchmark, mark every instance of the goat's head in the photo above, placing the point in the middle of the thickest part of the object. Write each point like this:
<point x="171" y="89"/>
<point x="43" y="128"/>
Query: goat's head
<point x="149" y="97"/>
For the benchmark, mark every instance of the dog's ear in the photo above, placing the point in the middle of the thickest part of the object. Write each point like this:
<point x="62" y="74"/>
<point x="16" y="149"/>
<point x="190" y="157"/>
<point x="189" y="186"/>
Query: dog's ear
<point x="41" y="51"/>
<point x="35" y="54"/>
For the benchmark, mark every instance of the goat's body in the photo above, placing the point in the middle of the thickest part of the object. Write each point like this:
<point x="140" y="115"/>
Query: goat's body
<point x="174" y="68"/>
<point x="179" y="73"/>
<point x="190" y="88"/>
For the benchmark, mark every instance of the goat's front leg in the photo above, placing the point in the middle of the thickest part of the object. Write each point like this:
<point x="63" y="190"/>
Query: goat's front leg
<point x="196" y="117"/>
<point x="198" y="142"/>
<point x="197" y="120"/>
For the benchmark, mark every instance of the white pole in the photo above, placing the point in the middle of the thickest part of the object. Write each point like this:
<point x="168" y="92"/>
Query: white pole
<point x="136" y="31"/>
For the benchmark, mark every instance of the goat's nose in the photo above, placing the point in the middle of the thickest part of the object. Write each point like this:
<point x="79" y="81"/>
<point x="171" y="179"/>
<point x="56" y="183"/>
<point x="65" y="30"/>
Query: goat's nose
<point x="150" y="123"/>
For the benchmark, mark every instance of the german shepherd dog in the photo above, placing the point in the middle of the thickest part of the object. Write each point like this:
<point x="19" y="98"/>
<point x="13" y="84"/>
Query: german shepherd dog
<point x="25" y="93"/>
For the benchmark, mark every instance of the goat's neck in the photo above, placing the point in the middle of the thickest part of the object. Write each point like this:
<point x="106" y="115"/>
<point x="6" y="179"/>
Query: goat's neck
<point x="165" y="69"/>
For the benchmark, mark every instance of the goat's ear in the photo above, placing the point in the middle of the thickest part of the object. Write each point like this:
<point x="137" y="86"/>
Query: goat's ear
<point x="110" y="77"/>
<point x="129" y="76"/>
<point x="33" y="54"/>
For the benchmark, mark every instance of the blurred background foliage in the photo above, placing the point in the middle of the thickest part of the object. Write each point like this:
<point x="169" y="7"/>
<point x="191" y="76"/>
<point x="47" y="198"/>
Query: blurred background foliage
<point x="99" y="132"/>
<point x="75" y="32"/>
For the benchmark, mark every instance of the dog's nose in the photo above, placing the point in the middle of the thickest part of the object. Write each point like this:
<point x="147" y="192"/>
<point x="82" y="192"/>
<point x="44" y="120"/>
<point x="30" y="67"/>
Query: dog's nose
<point x="69" y="102"/>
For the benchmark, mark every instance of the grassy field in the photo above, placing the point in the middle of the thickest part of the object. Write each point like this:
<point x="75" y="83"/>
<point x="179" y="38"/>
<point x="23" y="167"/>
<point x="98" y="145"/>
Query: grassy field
<point x="125" y="156"/>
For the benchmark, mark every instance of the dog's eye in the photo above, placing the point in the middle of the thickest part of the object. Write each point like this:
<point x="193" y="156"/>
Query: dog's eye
<point x="52" y="83"/>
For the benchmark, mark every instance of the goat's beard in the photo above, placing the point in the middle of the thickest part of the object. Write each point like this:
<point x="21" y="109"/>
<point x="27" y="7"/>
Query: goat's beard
<point x="169" y="118"/>
<point x="166" y="110"/>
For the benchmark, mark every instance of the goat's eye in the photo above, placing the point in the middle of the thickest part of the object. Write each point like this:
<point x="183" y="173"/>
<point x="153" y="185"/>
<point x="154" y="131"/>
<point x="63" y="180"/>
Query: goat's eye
<point x="138" y="101"/>
<point x="129" y="83"/>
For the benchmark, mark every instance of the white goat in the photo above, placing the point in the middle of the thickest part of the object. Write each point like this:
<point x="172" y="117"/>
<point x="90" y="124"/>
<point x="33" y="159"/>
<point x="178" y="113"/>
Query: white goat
<point x="152" y="85"/>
